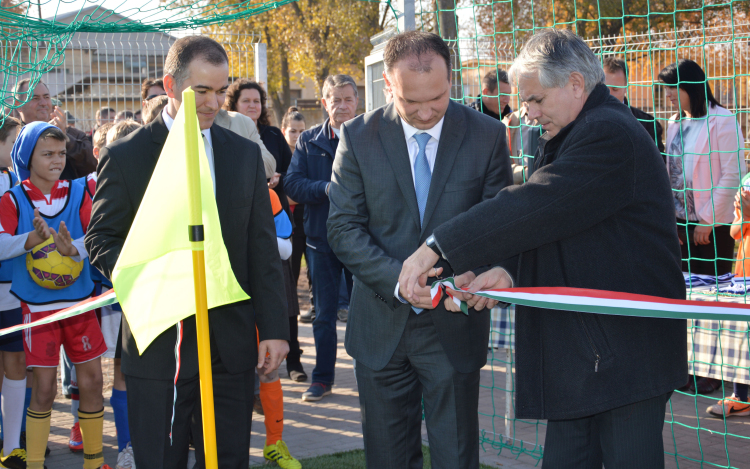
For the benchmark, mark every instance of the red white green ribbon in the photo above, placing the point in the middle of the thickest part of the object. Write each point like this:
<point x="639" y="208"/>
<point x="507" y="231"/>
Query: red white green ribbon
<point x="601" y="302"/>
<point x="84" y="306"/>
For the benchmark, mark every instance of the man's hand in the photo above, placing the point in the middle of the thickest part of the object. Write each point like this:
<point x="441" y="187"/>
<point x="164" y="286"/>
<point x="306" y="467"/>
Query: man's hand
<point x="270" y="355"/>
<point x="415" y="271"/>
<point x="274" y="181"/>
<point x="64" y="241"/>
<point x="702" y="234"/>
<point x="59" y="119"/>
<point x="460" y="281"/>
<point x="493" y="279"/>
<point x="424" y="300"/>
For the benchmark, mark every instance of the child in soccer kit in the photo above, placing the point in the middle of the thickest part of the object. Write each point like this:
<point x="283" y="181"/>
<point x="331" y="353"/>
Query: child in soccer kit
<point x="75" y="441"/>
<point x="737" y="404"/>
<point x="14" y="361"/>
<point x="43" y="221"/>
<point x="111" y="316"/>
<point x="271" y="395"/>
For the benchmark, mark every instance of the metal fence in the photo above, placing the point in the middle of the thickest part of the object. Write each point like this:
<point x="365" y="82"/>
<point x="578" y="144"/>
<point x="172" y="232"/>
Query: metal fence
<point x="100" y="70"/>
<point x="723" y="52"/>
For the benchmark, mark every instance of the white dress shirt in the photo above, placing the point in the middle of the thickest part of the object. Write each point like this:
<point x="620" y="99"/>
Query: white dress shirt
<point x="430" y="151"/>
<point x="413" y="147"/>
<point x="207" y="144"/>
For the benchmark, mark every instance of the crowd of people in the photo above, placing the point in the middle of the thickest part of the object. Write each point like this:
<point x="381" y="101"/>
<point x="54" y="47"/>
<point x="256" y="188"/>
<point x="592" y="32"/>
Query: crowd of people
<point x="377" y="204"/>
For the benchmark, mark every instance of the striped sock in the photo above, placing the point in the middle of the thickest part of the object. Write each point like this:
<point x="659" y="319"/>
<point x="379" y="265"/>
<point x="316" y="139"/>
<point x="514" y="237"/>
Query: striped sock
<point x="37" y="434"/>
<point x="92" y="425"/>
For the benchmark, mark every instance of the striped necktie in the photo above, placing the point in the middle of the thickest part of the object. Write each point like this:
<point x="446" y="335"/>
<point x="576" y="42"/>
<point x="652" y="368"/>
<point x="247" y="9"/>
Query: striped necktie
<point x="422" y="174"/>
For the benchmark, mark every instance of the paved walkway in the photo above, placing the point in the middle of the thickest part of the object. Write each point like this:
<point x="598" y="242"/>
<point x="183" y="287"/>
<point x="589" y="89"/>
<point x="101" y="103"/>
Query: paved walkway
<point x="333" y="424"/>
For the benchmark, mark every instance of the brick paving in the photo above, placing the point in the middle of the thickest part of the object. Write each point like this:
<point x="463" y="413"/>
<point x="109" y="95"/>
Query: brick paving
<point x="333" y="424"/>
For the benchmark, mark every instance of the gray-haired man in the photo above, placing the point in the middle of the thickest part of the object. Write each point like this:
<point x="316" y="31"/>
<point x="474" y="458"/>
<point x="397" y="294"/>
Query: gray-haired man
<point x="596" y="213"/>
<point x="307" y="181"/>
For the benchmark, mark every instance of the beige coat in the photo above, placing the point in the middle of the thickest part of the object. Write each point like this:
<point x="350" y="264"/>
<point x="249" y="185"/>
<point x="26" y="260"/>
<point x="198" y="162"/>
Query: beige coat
<point x="245" y="127"/>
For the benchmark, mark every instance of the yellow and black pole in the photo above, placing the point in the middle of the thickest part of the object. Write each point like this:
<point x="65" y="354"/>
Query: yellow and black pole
<point x="199" y="277"/>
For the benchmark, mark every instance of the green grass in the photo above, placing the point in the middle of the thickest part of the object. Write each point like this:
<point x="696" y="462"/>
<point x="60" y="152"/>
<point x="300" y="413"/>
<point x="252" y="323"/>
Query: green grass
<point x="352" y="460"/>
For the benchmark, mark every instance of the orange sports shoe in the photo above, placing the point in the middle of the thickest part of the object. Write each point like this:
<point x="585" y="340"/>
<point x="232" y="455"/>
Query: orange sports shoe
<point x="729" y="407"/>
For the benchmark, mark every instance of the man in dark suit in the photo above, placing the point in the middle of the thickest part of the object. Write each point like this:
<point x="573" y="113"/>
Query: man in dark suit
<point x="247" y="227"/>
<point x="616" y="77"/>
<point x="400" y="171"/>
<point x="596" y="213"/>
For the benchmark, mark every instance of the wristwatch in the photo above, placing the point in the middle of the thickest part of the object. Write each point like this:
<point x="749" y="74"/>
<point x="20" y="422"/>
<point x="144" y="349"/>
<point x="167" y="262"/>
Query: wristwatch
<point x="430" y="242"/>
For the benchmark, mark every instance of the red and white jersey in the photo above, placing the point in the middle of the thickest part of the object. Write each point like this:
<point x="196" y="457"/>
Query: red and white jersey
<point x="12" y="245"/>
<point x="91" y="184"/>
<point x="49" y="205"/>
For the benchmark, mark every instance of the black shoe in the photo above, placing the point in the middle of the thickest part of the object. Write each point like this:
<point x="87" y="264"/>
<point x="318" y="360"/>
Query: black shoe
<point x="15" y="460"/>
<point x="309" y="316"/>
<point x="22" y="442"/>
<point x="296" y="372"/>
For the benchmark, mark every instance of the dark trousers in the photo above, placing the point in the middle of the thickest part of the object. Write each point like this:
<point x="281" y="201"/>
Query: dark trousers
<point x="150" y="418"/>
<point x="622" y="438"/>
<point x="326" y="276"/>
<point x="298" y="250"/>
<point x="714" y="258"/>
<point x="390" y="401"/>
<point x="295" y="352"/>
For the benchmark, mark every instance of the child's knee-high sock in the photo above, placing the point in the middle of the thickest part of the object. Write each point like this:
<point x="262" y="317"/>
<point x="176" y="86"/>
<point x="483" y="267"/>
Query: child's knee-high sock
<point x="37" y="434"/>
<point x="12" y="409"/>
<point x="272" y="399"/>
<point x="119" y="403"/>
<point x="26" y="404"/>
<point x="92" y="425"/>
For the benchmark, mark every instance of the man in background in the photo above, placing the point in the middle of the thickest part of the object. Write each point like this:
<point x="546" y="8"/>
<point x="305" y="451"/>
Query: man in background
<point x="308" y="180"/>
<point x="495" y="95"/>
<point x="150" y="89"/>
<point x="38" y="107"/>
<point x="616" y="74"/>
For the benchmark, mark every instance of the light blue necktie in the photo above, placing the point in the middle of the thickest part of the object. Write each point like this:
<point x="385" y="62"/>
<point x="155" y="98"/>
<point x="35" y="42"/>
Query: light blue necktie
<point x="422" y="178"/>
<point x="422" y="174"/>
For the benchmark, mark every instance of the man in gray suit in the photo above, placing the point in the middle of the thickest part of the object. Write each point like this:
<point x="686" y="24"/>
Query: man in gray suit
<point x="400" y="171"/>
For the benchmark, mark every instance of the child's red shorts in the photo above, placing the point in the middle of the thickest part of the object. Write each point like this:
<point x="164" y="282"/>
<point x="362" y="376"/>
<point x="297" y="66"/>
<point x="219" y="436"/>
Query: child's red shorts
<point x="80" y="335"/>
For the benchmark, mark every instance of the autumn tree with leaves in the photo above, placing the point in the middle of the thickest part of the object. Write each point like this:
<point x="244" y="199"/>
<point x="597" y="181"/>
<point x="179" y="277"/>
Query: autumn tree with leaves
<point x="313" y="39"/>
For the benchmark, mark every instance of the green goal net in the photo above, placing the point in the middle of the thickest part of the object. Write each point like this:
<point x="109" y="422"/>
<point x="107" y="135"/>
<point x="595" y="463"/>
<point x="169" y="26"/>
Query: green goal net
<point x="48" y="37"/>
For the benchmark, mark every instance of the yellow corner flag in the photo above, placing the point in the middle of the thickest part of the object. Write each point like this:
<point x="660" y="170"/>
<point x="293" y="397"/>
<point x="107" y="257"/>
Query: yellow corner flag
<point x="153" y="276"/>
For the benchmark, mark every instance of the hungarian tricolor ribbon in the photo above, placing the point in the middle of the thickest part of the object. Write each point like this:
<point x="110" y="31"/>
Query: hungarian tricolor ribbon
<point x="600" y="301"/>
<point x="105" y="299"/>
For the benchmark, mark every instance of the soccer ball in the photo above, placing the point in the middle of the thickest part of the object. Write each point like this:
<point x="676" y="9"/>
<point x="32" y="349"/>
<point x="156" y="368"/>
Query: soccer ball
<point x="50" y="269"/>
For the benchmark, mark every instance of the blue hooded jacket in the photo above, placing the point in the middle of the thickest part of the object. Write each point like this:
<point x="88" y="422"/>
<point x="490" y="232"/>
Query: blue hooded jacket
<point x="24" y="147"/>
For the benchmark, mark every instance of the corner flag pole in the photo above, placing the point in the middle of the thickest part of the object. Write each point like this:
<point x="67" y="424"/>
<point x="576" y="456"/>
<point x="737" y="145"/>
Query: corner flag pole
<point x="199" y="278"/>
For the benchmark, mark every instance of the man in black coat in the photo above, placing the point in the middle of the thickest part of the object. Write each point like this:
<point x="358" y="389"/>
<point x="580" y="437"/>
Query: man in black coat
<point x="616" y="75"/>
<point x="596" y="213"/>
<point x="159" y="419"/>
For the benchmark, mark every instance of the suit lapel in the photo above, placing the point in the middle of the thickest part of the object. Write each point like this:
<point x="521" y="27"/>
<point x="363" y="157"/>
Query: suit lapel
<point x="451" y="137"/>
<point x="394" y="143"/>
<point x="222" y="167"/>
